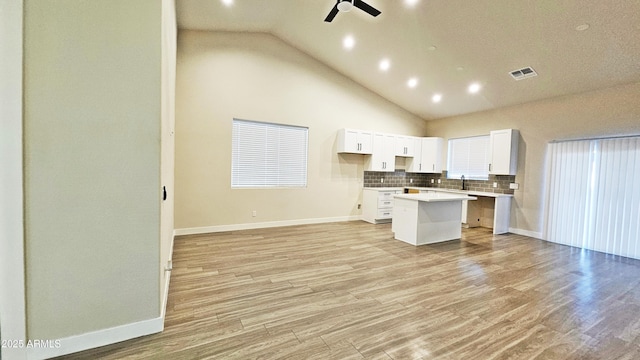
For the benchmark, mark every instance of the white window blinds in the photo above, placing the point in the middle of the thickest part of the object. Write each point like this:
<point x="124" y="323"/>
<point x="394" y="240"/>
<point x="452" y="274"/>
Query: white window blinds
<point x="268" y="155"/>
<point x="469" y="157"/>
<point x="593" y="198"/>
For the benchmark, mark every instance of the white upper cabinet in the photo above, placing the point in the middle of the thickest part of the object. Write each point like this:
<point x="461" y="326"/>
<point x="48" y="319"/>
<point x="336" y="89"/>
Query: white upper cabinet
<point x="405" y="146"/>
<point x="383" y="157"/>
<point x="503" y="152"/>
<point x="355" y="141"/>
<point x="427" y="156"/>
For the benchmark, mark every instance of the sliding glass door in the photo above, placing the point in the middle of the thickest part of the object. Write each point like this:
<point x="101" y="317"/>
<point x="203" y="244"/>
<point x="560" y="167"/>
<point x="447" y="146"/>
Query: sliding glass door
<point x="593" y="195"/>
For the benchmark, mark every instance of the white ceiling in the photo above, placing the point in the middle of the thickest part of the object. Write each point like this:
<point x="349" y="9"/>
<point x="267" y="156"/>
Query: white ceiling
<point x="475" y="40"/>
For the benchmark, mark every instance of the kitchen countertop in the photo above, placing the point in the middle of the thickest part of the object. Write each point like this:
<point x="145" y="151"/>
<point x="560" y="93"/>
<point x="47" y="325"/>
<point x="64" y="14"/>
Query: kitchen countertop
<point x="385" y="188"/>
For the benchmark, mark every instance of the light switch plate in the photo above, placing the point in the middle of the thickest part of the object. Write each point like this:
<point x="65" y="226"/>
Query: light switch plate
<point x="514" y="186"/>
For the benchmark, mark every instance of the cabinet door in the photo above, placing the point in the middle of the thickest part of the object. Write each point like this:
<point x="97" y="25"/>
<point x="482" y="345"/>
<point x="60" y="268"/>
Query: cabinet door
<point x="404" y="146"/>
<point x="365" y="139"/>
<point x="383" y="155"/>
<point x="355" y="141"/>
<point x="414" y="164"/>
<point x="503" y="152"/>
<point x="431" y="155"/>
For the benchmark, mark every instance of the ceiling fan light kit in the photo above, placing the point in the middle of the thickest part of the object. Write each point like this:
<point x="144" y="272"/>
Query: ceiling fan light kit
<point x="347" y="5"/>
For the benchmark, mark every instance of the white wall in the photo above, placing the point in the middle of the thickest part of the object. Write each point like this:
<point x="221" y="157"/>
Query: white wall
<point x="169" y="44"/>
<point x="12" y="301"/>
<point x="92" y="103"/>
<point x="606" y="112"/>
<point x="221" y="76"/>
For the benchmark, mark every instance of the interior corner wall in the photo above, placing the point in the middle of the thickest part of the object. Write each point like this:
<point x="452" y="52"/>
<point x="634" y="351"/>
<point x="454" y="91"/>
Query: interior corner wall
<point x="256" y="76"/>
<point x="607" y="112"/>
<point x="91" y="164"/>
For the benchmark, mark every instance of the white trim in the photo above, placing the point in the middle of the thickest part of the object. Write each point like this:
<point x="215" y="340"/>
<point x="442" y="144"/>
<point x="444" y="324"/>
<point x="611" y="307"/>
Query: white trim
<point x="96" y="339"/>
<point x="167" y="281"/>
<point x="12" y="279"/>
<point x="529" y="233"/>
<point x="261" y="225"/>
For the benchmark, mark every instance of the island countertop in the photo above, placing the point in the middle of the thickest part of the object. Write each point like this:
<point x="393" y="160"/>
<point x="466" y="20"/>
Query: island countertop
<point x="435" y="196"/>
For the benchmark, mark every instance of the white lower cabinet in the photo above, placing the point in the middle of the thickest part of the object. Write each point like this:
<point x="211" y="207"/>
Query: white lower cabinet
<point x="377" y="204"/>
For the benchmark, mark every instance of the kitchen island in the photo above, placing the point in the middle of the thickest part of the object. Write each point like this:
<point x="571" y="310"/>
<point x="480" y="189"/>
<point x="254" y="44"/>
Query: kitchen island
<point x="427" y="218"/>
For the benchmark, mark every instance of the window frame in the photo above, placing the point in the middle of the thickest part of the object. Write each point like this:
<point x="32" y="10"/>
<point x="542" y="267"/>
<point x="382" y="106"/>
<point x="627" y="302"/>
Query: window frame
<point x="477" y="150"/>
<point x="266" y="162"/>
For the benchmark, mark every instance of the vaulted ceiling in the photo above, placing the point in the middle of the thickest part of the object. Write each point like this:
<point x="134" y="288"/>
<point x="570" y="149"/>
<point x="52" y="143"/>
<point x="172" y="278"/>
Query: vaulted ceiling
<point x="446" y="45"/>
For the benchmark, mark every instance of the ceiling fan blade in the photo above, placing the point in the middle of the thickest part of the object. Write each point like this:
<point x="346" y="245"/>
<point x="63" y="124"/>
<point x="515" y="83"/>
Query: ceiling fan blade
<point x="366" y="8"/>
<point x="332" y="13"/>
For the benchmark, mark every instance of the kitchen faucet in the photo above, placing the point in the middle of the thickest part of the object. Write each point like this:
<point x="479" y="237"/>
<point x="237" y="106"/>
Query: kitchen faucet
<point x="462" y="177"/>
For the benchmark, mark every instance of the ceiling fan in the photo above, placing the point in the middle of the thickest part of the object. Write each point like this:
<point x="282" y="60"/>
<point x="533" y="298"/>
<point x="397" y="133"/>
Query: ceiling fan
<point x="346" y="5"/>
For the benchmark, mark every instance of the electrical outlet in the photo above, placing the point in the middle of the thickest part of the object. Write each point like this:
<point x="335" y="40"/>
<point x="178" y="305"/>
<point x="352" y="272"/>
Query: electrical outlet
<point x="439" y="181"/>
<point x="381" y="180"/>
<point x="514" y="186"/>
<point x="254" y="213"/>
<point x="495" y="184"/>
<point x="410" y="181"/>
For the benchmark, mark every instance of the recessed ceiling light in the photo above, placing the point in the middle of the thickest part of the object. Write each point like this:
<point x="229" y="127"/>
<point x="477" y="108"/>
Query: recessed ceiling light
<point x="413" y="82"/>
<point x="436" y="98"/>
<point x="348" y="42"/>
<point x="474" y="88"/>
<point x="411" y="3"/>
<point x="227" y="2"/>
<point x="384" y="64"/>
<point x="432" y="48"/>
<point x="582" y="27"/>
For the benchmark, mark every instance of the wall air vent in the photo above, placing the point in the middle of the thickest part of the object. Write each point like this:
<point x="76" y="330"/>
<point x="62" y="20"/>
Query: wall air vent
<point x="523" y="73"/>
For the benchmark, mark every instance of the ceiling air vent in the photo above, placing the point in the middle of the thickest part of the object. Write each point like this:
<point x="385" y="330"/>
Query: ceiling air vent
<point x="523" y="73"/>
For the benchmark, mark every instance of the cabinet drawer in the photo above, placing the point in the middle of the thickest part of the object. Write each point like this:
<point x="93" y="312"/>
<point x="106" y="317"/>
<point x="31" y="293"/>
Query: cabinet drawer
<point x="386" y="195"/>
<point x="384" y="213"/>
<point x="383" y="204"/>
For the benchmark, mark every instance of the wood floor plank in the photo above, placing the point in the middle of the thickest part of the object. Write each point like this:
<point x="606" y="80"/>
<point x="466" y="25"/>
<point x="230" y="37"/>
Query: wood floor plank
<point x="350" y="291"/>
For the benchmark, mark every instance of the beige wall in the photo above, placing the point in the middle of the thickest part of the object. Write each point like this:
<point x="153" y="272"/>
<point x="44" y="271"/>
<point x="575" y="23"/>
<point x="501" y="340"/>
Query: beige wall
<point x="12" y="301"/>
<point x="92" y="164"/>
<point x="221" y="76"/>
<point x="606" y="112"/>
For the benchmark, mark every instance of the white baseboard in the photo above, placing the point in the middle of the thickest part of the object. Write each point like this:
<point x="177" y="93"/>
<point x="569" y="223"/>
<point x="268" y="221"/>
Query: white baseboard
<point x="167" y="282"/>
<point x="261" y="225"/>
<point x="96" y="339"/>
<point x="529" y="233"/>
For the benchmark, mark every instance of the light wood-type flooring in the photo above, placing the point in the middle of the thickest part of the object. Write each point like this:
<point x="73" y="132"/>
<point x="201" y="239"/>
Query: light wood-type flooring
<point x="350" y="291"/>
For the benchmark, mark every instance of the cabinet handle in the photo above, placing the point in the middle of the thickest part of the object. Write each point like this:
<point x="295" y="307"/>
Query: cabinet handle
<point x="420" y="167"/>
<point x="489" y="167"/>
<point x="433" y="167"/>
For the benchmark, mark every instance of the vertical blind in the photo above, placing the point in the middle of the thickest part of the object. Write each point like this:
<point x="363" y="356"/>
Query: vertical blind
<point x="469" y="157"/>
<point x="268" y="155"/>
<point x="593" y="197"/>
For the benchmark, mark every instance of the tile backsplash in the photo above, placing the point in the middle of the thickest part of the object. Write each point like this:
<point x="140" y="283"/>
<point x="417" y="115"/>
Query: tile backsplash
<point x="400" y="178"/>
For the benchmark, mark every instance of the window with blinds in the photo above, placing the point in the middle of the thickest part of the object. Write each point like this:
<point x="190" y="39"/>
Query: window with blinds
<point x="266" y="155"/>
<point x="469" y="157"/>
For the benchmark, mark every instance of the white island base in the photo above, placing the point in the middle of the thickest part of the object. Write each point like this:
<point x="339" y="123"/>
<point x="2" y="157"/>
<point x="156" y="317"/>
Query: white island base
<point x="420" y="219"/>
